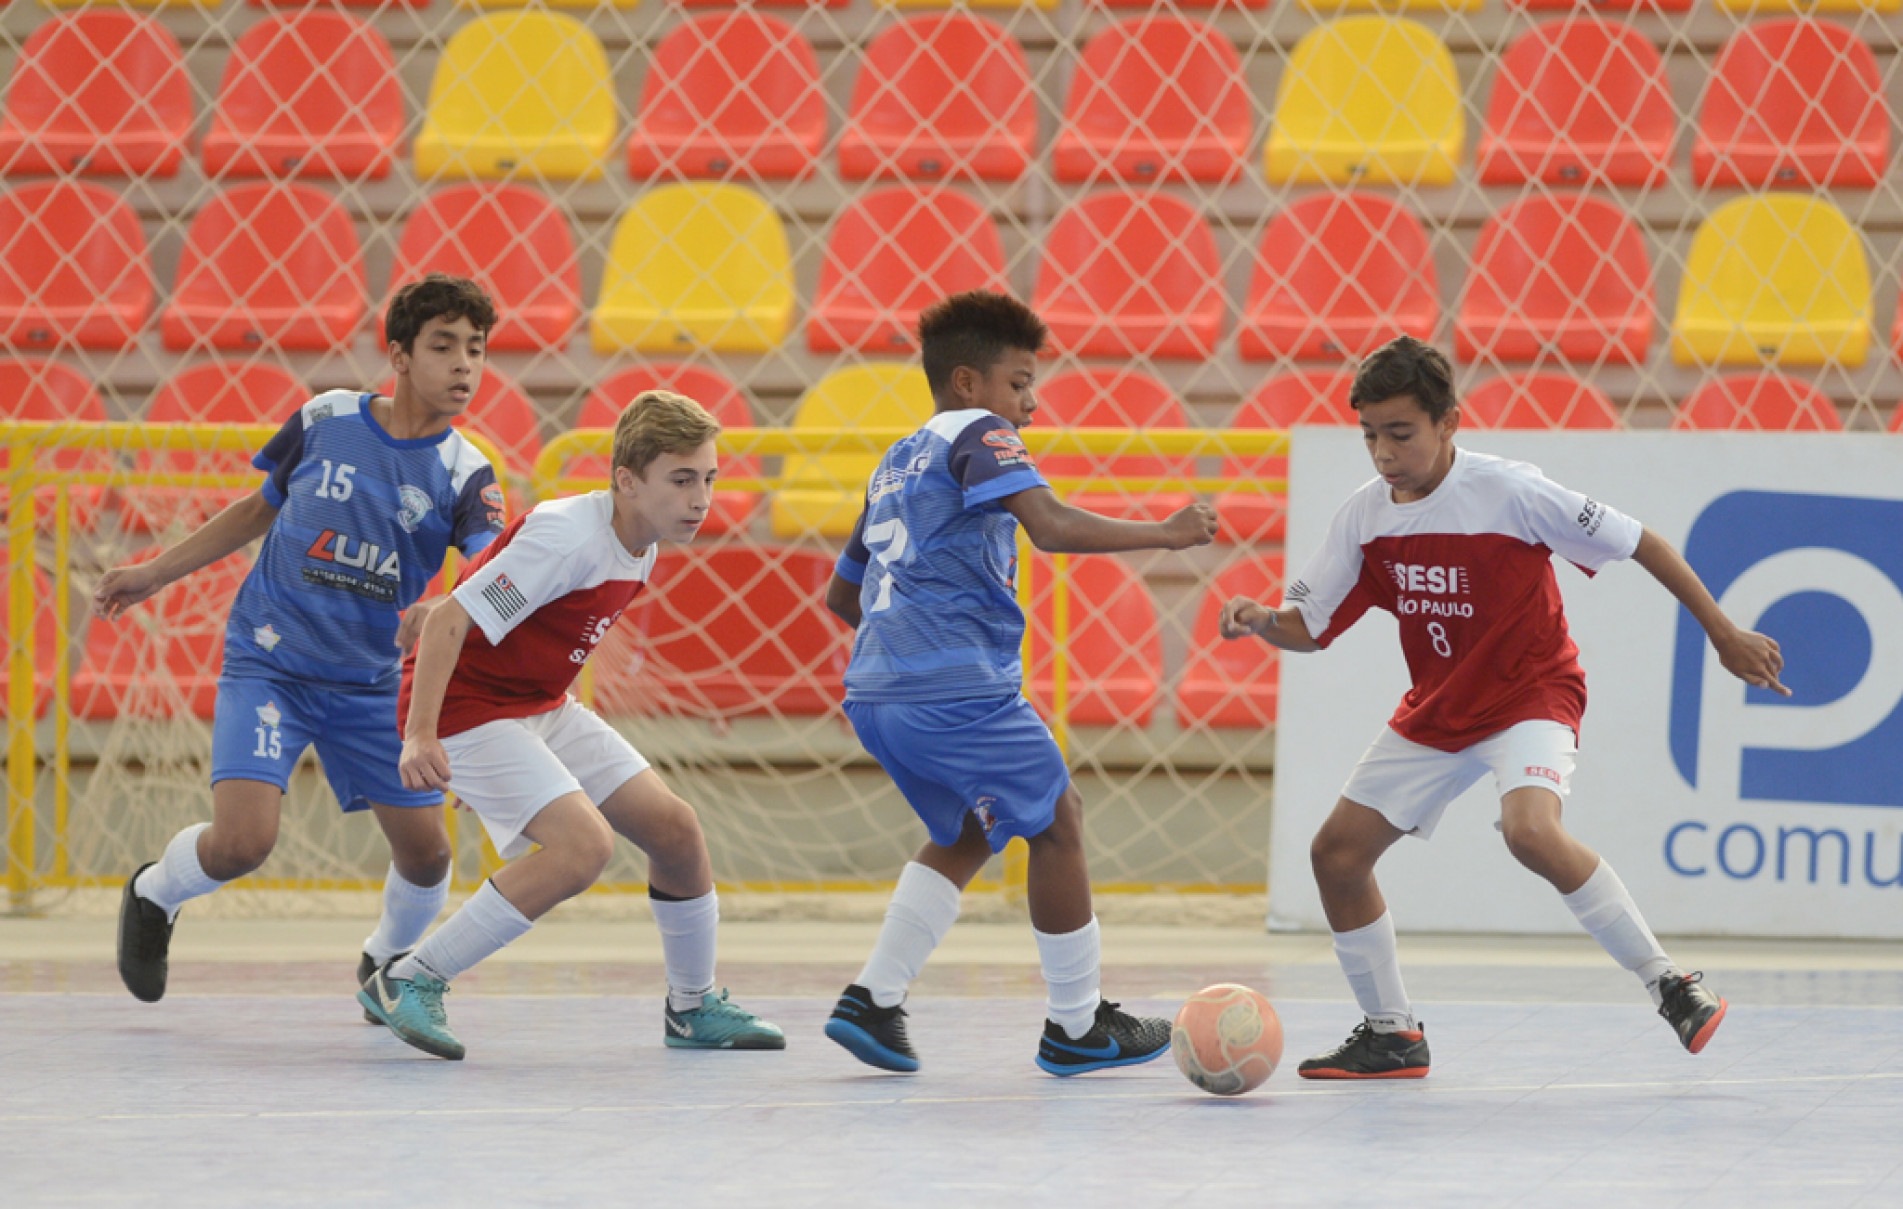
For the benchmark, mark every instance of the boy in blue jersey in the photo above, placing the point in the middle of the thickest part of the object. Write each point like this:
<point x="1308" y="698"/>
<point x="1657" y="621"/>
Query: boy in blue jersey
<point x="363" y="497"/>
<point x="934" y="688"/>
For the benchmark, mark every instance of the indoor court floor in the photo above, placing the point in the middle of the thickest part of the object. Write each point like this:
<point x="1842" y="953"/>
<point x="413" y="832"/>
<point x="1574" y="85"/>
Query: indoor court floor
<point x="256" y="1082"/>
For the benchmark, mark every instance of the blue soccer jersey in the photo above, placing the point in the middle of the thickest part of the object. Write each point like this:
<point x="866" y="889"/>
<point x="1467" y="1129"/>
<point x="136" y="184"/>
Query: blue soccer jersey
<point x="363" y="523"/>
<point x="935" y="555"/>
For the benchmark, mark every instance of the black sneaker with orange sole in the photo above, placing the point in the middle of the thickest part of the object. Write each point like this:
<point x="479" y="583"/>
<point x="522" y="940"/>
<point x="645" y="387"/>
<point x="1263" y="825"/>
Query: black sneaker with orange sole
<point x="1692" y="1011"/>
<point x="1368" y="1054"/>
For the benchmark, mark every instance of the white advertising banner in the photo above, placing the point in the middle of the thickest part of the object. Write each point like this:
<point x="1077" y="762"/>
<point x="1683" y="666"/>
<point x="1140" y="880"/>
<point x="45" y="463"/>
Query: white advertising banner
<point x="1726" y="810"/>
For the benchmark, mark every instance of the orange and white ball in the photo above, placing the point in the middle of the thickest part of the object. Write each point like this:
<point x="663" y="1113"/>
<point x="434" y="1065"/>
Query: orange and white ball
<point x="1227" y="1039"/>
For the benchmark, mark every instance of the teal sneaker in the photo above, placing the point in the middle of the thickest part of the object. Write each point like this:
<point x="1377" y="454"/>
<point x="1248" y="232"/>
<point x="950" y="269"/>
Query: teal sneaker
<point x="719" y="1023"/>
<point x="412" y="1008"/>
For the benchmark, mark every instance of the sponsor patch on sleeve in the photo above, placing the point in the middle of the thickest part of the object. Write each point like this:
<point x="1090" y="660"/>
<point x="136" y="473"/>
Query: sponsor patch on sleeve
<point x="492" y="499"/>
<point x="1007" y="447"/>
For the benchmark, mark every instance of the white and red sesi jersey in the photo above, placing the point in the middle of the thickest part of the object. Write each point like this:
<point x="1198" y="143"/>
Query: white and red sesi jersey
<point x="1468" y="573"/>
<point x="542" y="596"/>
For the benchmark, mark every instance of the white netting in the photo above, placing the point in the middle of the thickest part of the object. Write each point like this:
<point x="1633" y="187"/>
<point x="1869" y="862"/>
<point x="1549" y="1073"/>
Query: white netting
<point x="1671" y="215"/>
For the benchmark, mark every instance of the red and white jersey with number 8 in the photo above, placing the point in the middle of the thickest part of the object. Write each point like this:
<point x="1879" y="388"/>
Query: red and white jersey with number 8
<point x="1468" y="573"/>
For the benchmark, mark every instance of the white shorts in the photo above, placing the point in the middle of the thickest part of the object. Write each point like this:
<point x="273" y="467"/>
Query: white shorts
<point x="507" y="770"/>
<point x="1410" y="785"/>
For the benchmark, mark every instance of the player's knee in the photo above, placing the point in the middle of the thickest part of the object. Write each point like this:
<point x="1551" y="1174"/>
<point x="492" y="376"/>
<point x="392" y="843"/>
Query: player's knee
<point x="1532" y="841"/>
<point x="1335" y="859"/>
<point x="234" y="853"/>
<point x="594" y="848"/>
<point x="1067" y="822"/>
<point x="422" y="860"/>
<point x="677" y="834"/>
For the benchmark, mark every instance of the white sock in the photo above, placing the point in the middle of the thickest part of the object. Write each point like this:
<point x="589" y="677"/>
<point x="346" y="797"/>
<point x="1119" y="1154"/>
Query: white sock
<point x="924" y="906"/>
<point x="408" y="911"/>
<point x="1071" y="962"/>
<point x="177" y="877"/>
<point x="482" y="926"/>
<point x="1605" y="909"/>
<point x="1372" y="962"/>
<point x="689" y="930"/>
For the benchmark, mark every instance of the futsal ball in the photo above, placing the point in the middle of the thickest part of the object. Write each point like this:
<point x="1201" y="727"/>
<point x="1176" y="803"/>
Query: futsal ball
<point x="1227" y="1039"/>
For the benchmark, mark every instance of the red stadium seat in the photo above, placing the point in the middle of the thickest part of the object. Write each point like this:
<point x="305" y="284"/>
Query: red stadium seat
<point x="892" y="253"/>
<point x="512" y="240"/>
<point x="1759" y="402"/>
<point x="1578" y="101"/>
<point x="97" y="93"/>
<point x="32" y="389"/>
<point x="308" y="94"/>
<point x="44" y="638"/>
<point x="1611" y="6"/>
<point x="73" y="268"/>
<point x="1115" y="398"/>
<point x="695" y="643"/>
<point x="731" y="511"/>
<point x="947" y="96"/>
<point x="1131" y="275"/>
<point x="1338" y="275"/>
<point x="1538" y="401"/>
<point x="1149" y="4"/>
<point x="508" y="419"/>
<point x="1156" y="99"/>
<point x="161" y="659"/>
<point x="1232" y="684"/>
<point x="219" y="392"/>
<point x="764" y="3"/>
<point x="267" y="266"/>
<point x="1316" y="396"/>
<point x="1793" y="103"/>
<point x="730" y="94"/>
<point x="1563" y="275"/>
<point x="1114" y="644"/>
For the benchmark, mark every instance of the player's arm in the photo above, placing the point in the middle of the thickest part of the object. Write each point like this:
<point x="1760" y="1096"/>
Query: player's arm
<point x="1057" y="528"/>
<point x="842" y="598"/>
<point x="424" y="763"/>
<point x="1282" y="628"/>
<point x="1751" y="657"/>
<point x="240" y="524"/>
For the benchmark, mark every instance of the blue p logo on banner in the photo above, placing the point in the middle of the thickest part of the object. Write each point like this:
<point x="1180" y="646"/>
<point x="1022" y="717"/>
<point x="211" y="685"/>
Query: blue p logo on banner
<point x="1824" y="576"/>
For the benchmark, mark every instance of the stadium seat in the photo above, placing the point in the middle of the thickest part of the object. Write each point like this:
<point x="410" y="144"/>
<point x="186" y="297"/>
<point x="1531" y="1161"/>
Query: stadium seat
<point x="515" y="242"/>
<point x="161" y="659"/>
<point x="1558" y="275"/>
<point x="36" y="390"/>
<point x="1315" y="396"/>
<point x="73" y="268"/>
<point x="267" y="265"/>
<point x="1113" y="643"/>
<point x="1232" y="684"/>
<point x="307" y="94"/>
<point x="731" y="511"/>
<point x="940" y="97"/>
<point x="1115" y="398"/>
<point x="1793" y="103"/>
<point x="725" y="632"/>
<point x="697" y="266"/>
<point x="217" y="392"/>
<point x="1538" y="400"/>
<point x="44" y="639"/>
<point x="1130" y="275"/>
<point x="1148" y="5"/>
<point x="519" y="93"/>
<point x="1338" y="275"/>
<point x="1610" y="6"/>
<point x="1046" y="4"/>
<point x="371" y="4"/>
<point x="1777" y="278"/>
<point x="824" y="492"/>
<point x="586" y="6"/>
<point x="1760" y="403"/>
<point x="764" y="3"/>
<point x="67" y="113"/>
<point x="893" y="252"/>
<point x="507" y="418"/>
<point x="1760" y="8"/>
<point x="1367" y="100"/>
<point x="729" y="94"/>
<point x="1576" y="102"/>
<point x="1155" y="98"/>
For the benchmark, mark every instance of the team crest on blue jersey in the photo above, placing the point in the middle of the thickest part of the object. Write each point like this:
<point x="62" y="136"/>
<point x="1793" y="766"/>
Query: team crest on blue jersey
<point x="269" y="715"/>
<point x="319" y="411"/>
<point x="414" y="505"/>
<point x="982" y="809"/>
<point x="266" y="637"/>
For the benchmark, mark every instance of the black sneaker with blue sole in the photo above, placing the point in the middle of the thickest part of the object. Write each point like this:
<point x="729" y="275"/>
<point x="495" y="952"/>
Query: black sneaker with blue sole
<point x="1115" y="1039"/>
<point x="875" y="1035"/>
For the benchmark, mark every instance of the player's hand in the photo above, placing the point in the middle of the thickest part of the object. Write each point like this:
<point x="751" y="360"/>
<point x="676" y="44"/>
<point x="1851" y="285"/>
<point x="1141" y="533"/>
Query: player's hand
<point x="1193" y="526"/>
<point x="1753" y="658"/>
<point x="1241" y="617"/>
<point x="410" y="628"/>
<point x="424" y="764"/>
<point x="122" y="587"/>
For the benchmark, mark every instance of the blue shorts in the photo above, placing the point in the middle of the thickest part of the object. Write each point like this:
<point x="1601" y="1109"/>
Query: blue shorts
<point x="261" y="727"/>
<point x="994" y="758"/>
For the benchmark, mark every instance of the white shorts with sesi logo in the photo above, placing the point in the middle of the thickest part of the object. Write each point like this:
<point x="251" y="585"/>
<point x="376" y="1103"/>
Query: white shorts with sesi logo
<point x="1410" y="785"/>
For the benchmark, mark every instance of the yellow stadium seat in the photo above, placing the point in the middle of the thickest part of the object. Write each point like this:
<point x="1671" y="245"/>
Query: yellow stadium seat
<point x="696" y="266"/>
<point x="1394" y="6"/>
<point x="1046" y="4"/>
<point x="824" y="491"/>
<point x="1367" y="100"/>
<point x="584" y="5"/>
<point x="1777" y="278"/>
<point x="519" y="94"/>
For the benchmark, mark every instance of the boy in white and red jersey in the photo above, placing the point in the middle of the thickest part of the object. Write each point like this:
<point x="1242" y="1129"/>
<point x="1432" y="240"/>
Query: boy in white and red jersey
<point x="1459" y="547"/>
<point x="485" y="712"/>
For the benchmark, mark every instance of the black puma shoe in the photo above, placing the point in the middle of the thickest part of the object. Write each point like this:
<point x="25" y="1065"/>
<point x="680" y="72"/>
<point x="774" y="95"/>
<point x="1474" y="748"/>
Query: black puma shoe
<point x="1367" y="1054"/>
<point x="1694" y="1012"/>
